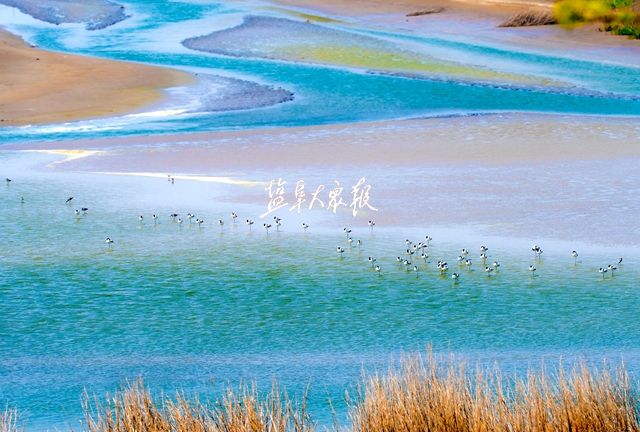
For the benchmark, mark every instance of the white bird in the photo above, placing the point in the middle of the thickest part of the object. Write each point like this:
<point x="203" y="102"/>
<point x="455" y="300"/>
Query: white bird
<point x="377" y="268"/>
<point x="179" y="221"/>
<point x="415" y="269"/>
<point x="77" y="212"/>
<point x="464" y="252"/>
<point x="221" y="223"/>
<point x="140" y="218"/>
<point x="398" y="259"/>
<point x="468" y="263"/>
<point x="483" y="257"/>
<point x="155" y="218"/>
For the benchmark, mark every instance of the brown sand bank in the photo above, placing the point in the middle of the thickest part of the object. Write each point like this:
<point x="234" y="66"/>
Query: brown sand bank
<point x="39" y="87"/>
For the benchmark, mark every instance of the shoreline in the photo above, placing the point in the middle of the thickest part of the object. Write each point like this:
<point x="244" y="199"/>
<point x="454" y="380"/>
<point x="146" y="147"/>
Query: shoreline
<point x="452" y="164"/>
<point x="44" y="87"/>
<point x="536" y="132"/>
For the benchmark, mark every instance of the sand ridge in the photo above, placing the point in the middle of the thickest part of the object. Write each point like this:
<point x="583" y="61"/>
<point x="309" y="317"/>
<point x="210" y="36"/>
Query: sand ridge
<point x="39" y="87"/>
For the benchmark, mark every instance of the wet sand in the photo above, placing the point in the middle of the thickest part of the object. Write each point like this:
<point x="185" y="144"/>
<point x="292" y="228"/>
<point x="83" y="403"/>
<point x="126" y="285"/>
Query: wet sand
<point x="511" y="176"/>
<point x="485" y="139"/>
<point x="479" y="21"/>
<point x="39" y="87"/>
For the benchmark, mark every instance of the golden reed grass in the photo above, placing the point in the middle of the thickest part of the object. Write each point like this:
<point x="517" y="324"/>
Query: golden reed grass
<point x="9" y="421"/>
<point x="419" y="395"/>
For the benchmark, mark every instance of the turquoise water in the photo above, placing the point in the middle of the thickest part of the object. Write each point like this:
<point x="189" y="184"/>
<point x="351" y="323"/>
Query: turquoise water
<point x="196" y="308"/>
<point x="328" y="95"/>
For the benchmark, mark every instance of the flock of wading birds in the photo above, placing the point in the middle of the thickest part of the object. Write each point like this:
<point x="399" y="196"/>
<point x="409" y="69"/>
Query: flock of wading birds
<point x="412" y="248"/>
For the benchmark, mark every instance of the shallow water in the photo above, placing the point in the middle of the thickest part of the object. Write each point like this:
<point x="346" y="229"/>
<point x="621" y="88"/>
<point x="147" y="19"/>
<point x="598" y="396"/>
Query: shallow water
<point x="194" y="308"/>
<point x="323" y="94"/>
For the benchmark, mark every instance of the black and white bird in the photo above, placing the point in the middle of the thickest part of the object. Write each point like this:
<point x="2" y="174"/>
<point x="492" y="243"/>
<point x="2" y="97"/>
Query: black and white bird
<point x="488" y="270"/>
<point x="85" y="210"/>
<point x="602" y="271"/>
<point x="455" y="276"/>
<point x="234" y="216"/>
<point x="8" y="180"/>
<point x="304" y="226"/>
<point x="371" y="224"/>
<point x="574" y="254"/>
<point x="340" y="250"/>
<point x="108" y="241"/>
<point x="532" y="269"/>
<point x="68" y="200"/>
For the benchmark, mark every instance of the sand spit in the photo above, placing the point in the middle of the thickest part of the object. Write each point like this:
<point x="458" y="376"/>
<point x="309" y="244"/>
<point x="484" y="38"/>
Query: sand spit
<point x="39" y="87"/>
<point x="95" y="14"/>
<point x="306" y="42"/>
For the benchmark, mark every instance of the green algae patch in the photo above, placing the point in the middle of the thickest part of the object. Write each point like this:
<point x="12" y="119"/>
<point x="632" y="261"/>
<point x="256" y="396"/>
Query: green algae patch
<point x="403" y="62"/>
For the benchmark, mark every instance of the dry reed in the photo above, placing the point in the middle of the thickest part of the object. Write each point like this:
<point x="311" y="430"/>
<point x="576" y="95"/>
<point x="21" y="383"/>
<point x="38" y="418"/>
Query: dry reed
<point x="422" y="396"/>
<point x="530" y="18"/>
<point x="133" y="410"/>
<point x="9" y="421"/>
